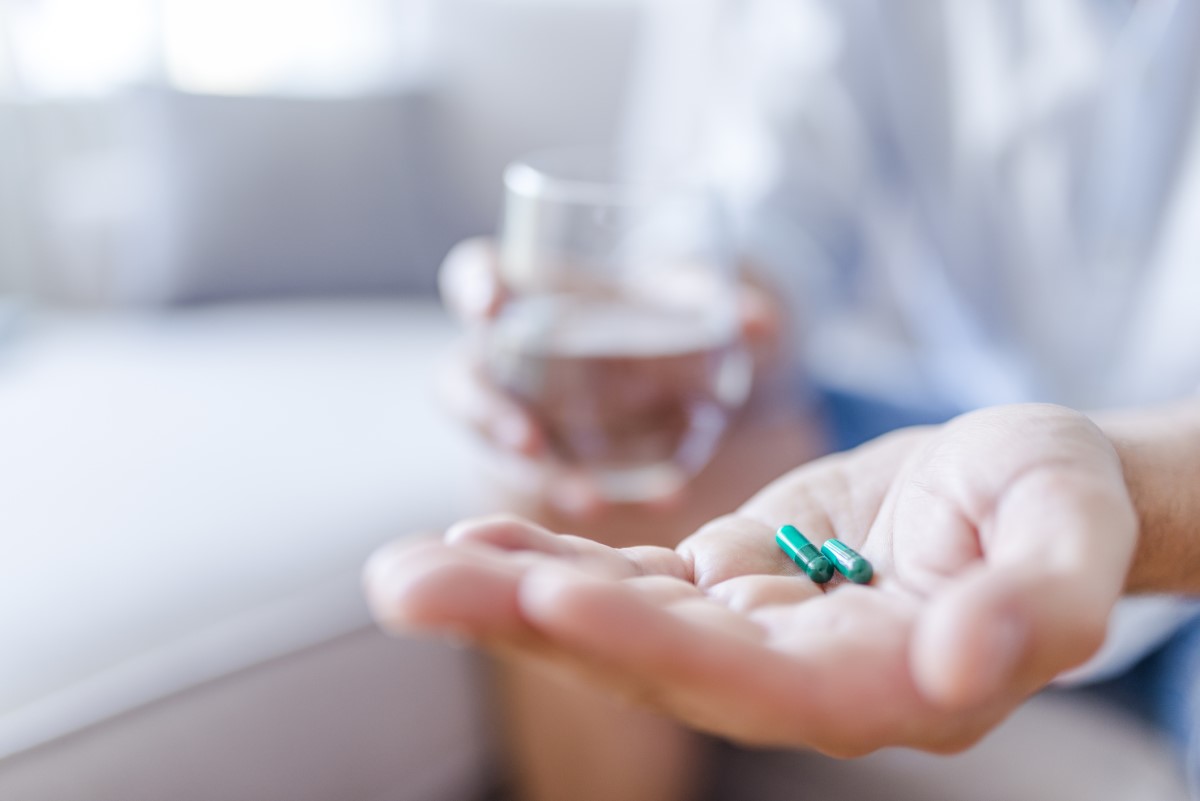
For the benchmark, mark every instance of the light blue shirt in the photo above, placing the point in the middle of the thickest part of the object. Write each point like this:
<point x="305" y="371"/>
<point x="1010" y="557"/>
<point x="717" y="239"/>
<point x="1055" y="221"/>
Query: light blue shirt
<point x="970" y="202"/>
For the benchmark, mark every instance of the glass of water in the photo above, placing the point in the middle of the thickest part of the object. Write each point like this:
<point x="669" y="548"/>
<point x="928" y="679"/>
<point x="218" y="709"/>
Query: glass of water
<point x="621" y="335"/>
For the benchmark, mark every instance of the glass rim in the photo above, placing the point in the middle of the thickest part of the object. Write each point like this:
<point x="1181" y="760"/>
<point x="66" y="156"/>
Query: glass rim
<point x="546" y="175"/>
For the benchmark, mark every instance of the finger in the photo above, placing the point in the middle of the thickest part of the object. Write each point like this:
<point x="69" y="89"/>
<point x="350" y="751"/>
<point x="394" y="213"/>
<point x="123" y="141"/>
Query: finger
<point x="495" y="416"/>
<point x="469" y="281"/>
<point x="432" y="587"/>
<point x="732" y="546"/>
<point x="664" y="590"/>
<point x="744" y="594"/>
<point x="689" y="665"/>
<point x="832" y="678"/>
<point x="1069" y="518"/>
<point x="735" y="546"/>
<point x="790" y="500"/>
<point x="543" y="653"/>
<point x="706" y="615"/>
<point x="460" y="588"/>
<point x="931" y="539"/>
<point x="510" y="533"/>
<point x="510" y="428"/>
<point x="857" y="643"/>
<point x="1030" y="612"/>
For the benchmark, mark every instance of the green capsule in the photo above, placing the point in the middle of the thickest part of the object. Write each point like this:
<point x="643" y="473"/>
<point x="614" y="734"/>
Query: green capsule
<point x="804" y="554"/>
<point x="850" y="563"/>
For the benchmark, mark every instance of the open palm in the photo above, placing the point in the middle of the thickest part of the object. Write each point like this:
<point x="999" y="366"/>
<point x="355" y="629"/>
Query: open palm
<point x="1000" y="542"/>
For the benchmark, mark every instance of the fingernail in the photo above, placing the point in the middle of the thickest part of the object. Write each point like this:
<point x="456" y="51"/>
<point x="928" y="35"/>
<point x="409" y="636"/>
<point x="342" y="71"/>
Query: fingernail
<point x="379" y="568"/>
<point x="385" y="599"/>
<point x="388" y="580"/>
<point x="460" y="529"/>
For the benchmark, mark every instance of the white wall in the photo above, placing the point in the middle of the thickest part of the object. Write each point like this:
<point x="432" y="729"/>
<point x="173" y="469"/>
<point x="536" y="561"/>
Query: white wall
<point x="520" y="75"/>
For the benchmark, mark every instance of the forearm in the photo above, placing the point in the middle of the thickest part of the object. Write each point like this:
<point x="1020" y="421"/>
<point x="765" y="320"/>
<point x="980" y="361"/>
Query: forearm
<point x="1160" y="454"/>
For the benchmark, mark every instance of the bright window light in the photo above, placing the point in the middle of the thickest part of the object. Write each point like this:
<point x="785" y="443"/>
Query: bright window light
<point x="283" y="47"/>
<point x="77" y="47"/>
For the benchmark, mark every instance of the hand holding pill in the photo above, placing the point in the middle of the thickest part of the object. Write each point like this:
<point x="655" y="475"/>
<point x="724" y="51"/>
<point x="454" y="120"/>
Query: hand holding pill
<point x="999" y="544"/>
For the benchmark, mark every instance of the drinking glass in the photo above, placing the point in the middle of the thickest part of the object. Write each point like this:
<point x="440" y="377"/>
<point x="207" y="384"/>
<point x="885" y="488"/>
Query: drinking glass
<point x="620" y="334"/>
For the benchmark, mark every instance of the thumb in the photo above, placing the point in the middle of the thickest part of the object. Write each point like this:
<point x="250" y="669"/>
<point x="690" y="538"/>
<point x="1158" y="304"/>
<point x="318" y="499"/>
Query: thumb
<point x="996" y="631"/>
<point x="1039" y="604"/>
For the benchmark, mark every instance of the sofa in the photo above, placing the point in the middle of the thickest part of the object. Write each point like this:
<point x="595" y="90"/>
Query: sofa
<point x="188" y="499"/>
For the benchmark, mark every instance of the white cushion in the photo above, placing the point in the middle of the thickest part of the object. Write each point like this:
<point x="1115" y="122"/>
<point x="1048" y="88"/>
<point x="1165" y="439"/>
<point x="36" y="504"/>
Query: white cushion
<point x="188" y="494"/>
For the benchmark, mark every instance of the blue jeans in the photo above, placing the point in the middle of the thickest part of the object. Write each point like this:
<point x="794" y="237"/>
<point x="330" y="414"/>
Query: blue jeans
<point x="854" y="419"/>
<point x="1164" y="689"/>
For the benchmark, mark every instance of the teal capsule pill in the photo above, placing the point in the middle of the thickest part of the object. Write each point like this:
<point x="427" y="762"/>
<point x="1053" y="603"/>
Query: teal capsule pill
<point x="849" y="562"/>
<point x="804" y="554"/>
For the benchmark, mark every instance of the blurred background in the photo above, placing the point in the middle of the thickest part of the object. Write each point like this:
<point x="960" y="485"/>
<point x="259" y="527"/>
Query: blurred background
<point x="170" y="151"/>
<point x="220" y="228"/>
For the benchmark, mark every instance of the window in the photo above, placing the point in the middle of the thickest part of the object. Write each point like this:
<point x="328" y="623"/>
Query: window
<point x="56" y="48"/>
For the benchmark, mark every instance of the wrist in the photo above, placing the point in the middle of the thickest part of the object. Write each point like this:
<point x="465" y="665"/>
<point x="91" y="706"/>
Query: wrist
<point x="1159" y="451"/>
<point x="1137" y="466"/>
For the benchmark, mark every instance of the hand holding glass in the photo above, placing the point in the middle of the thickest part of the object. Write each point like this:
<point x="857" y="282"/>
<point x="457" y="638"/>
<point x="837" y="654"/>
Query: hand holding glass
<point x="621" y="333"/>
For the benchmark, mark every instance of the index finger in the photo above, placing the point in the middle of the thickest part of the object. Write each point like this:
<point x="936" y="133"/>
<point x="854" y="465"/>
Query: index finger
<point x="690" y="666"/>
<point x="827" y="674"/>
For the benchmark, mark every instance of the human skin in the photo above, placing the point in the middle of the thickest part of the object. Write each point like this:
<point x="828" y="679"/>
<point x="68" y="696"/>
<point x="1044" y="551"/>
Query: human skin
<point x="561" y="739"/>
<point x="1001" y="542"/>
<point x="1160" y="455"/>
<point x="473" y="292"/>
